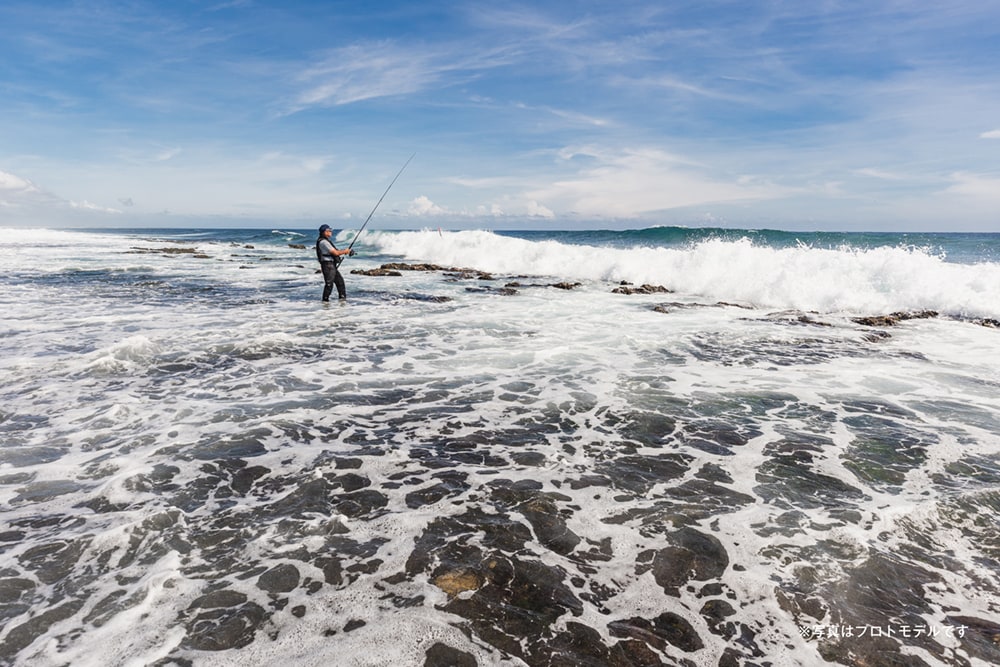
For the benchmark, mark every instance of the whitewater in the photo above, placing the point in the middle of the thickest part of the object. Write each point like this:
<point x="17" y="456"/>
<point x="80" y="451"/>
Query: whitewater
<point x="804" y="277"/>
<point x="664" y="446"/>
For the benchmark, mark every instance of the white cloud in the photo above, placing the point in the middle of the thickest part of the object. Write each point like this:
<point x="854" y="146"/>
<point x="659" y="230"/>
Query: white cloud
<point x="573" y="117"/>
<point x="19" y="194"/>
<point x="23" y="198"/>
<point x="975" y="186"/>
<point x="879" y="174"/>
<point x="367" y="71"/>
<point x="516" y="208"/>
<point x="634" y="182"/>
<point x="166" y="154"/>
<point x="87" y="206"/>
<point x="424" y="206"/>
<point x="16" y="184"/>
<point x="315" y="164"/>
<point x="536" y="210"/>
<point x="992" y="134"/>
<point x="485" y="183"/>
<point x="674" y="84"/>
<point x="493" y="210"/>
<point x="280" y="165"/>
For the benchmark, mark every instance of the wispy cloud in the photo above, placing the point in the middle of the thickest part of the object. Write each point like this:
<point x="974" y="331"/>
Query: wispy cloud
<point x="573" y="117"/>
<point x="488" y="182"/>
<point x="293" y="163"/>
<point x="27" y="201"/>
<point x="135" y="153"/>
<point x="13" y="184"/>
<point x="880" y="174"/>
<point x="17" y="192"/>
<point x="362" y="72"/>
<point x="88" y="206"/>
<point x="977" y="186"/>
<point x="671" y="83"/>
<point x="517" y="109"/>
<point x="635" y="182"/>
<point x="528" y="23"/>
<point x="372" y="70"/>
<point x="166" y="154"/>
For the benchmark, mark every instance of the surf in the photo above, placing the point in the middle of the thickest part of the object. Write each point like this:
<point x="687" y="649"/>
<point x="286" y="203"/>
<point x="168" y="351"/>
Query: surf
<point x="844" y="279"/>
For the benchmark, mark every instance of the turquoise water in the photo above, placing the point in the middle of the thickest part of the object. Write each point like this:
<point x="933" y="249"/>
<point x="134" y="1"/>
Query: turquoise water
<point x="964" y="248"/>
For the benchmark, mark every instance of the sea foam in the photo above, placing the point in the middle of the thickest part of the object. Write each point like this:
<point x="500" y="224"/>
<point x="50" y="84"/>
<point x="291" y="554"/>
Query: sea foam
<point x="845" y="279"/>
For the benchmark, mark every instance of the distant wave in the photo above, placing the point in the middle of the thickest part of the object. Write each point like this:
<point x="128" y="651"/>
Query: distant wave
<point x="730" y="267"/>
<point x="287" y="234"/>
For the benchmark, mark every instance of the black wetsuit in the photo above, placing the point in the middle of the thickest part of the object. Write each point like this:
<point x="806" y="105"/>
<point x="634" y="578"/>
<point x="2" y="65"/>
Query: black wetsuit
<point x="331" y="276"/>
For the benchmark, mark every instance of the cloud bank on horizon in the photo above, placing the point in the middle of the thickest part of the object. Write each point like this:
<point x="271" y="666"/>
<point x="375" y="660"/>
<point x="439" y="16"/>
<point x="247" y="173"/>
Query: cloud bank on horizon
<point x="837" y="115"/>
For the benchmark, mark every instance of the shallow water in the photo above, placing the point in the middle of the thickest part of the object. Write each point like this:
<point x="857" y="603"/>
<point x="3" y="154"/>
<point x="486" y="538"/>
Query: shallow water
<point x="202" y="464"/>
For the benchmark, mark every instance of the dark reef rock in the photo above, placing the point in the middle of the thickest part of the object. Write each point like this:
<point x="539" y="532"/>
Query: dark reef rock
<point x="222" y="620"/>
<point x="894" y="318"/>
<point x="162" y="251"/>
<point x="692" y="555"/>
<point x="442" y="655"/>
<point x="280" y="579"/>
<point x="625" y="288"/>
<point x="667" y="628"/>
<point x="979" y="637"/>
<point x="376" y="272"/>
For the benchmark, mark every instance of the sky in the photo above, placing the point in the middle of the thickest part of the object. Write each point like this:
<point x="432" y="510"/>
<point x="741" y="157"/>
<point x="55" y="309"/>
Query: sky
<point x="879" y="115"/>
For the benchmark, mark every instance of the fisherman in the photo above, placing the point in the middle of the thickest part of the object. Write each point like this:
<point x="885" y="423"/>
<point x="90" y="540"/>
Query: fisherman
<point x="329" y="259"/>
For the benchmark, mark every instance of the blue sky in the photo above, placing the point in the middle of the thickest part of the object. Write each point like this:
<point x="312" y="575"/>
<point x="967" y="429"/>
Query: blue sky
<point x="881" y="115"/>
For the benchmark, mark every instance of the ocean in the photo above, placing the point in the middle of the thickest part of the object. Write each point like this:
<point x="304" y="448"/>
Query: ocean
<point x="663" y="446"/>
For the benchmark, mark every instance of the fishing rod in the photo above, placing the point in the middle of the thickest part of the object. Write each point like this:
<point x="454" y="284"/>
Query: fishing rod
<point x="356" y="236"/>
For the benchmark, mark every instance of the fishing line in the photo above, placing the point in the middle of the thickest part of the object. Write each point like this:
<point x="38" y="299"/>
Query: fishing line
<point x="356" y="236"/>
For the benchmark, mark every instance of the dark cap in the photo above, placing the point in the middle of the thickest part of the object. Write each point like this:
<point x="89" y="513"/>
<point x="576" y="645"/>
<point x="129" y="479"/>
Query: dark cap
<point x="323" y="228"/>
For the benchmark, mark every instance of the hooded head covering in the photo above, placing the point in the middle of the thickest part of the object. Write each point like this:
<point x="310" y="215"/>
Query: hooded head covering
<point x="323" y="228"/>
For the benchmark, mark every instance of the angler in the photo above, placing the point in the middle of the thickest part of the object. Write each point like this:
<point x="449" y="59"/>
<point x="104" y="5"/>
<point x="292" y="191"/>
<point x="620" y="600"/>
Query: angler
<point x="330" y="257"/>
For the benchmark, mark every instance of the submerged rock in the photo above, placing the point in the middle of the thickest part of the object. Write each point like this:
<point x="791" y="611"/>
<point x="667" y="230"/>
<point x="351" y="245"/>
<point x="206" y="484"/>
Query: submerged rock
<point x="692" y="555"/>
<point x="164" y="251"/>
<point x="280" y="579"/>
<point x="442" y="655"/>
<point x="624" y="288"/>
<point x="894" y="318"/>
<point x="981" y="638"/>
<point x="458" y="272"/>
<point x="518" y="608"/>
<point x="228" y="622"/>
<point x="454" y="583"/>
<point x="667" y="628"/>
<point x="376" y="272"/>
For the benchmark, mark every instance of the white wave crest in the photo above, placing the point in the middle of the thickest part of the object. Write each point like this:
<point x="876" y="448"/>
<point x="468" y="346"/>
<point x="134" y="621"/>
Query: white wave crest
<point x="805" y="278"/>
